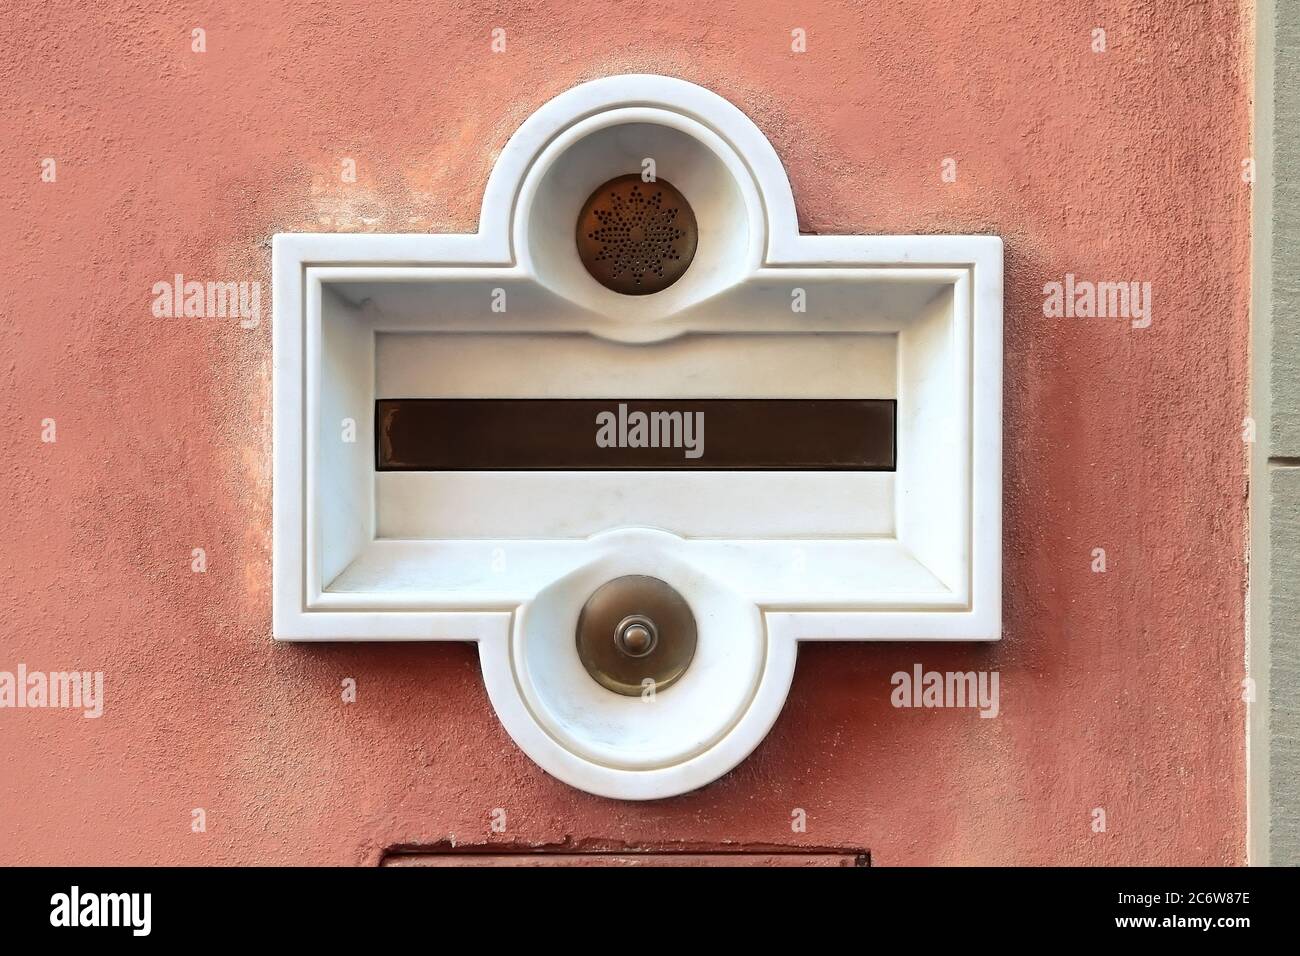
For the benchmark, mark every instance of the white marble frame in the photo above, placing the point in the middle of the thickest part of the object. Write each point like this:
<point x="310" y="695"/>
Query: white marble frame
<point x="305" y="610"/>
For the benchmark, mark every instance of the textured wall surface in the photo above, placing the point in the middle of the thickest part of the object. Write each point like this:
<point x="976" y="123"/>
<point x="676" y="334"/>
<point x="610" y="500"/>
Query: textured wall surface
<point x="1285" y="215"/>
<point x="1283" y="823"/>
<point x="1120" y="690"/>
<point x="1275" y="612"/>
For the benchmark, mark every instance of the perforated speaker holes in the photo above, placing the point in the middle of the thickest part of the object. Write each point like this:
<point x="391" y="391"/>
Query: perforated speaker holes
<point x="636" y="237"/>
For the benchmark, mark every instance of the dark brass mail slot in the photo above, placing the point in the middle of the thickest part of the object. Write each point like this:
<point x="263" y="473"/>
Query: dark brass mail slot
<point x="751" y="434"/>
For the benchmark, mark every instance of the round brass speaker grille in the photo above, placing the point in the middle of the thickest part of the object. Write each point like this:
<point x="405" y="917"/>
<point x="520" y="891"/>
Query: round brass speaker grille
<point x="636" y="237"/>
<point x="633" y="630"/>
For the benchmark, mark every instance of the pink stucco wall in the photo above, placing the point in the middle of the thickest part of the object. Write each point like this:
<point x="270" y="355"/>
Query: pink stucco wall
<point x="1119" y="690"/>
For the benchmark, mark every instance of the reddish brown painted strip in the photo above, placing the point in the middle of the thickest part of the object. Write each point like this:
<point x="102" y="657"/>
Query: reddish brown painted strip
<point x="495" y="434"/>
<point x="627" y="859"/>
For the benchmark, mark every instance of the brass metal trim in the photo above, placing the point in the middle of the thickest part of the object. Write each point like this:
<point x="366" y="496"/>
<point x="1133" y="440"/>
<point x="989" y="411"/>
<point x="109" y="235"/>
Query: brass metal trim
<point x="636" y="632"/>
<point x="637" y="237"/>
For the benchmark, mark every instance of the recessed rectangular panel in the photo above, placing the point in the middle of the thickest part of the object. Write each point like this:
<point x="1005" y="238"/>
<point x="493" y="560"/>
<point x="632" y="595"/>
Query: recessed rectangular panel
<point x="560" y="505"/>
<point x="500" y="434"/>
<point x="696" y="365"/>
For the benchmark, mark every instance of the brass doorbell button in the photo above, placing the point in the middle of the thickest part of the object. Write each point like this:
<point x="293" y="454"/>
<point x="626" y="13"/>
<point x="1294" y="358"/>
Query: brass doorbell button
<point x="636" y="635"/>
<point x="636" y="631"/>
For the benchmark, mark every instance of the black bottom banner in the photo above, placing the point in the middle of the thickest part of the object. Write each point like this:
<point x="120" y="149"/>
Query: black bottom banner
<point x="639" y="904"/>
